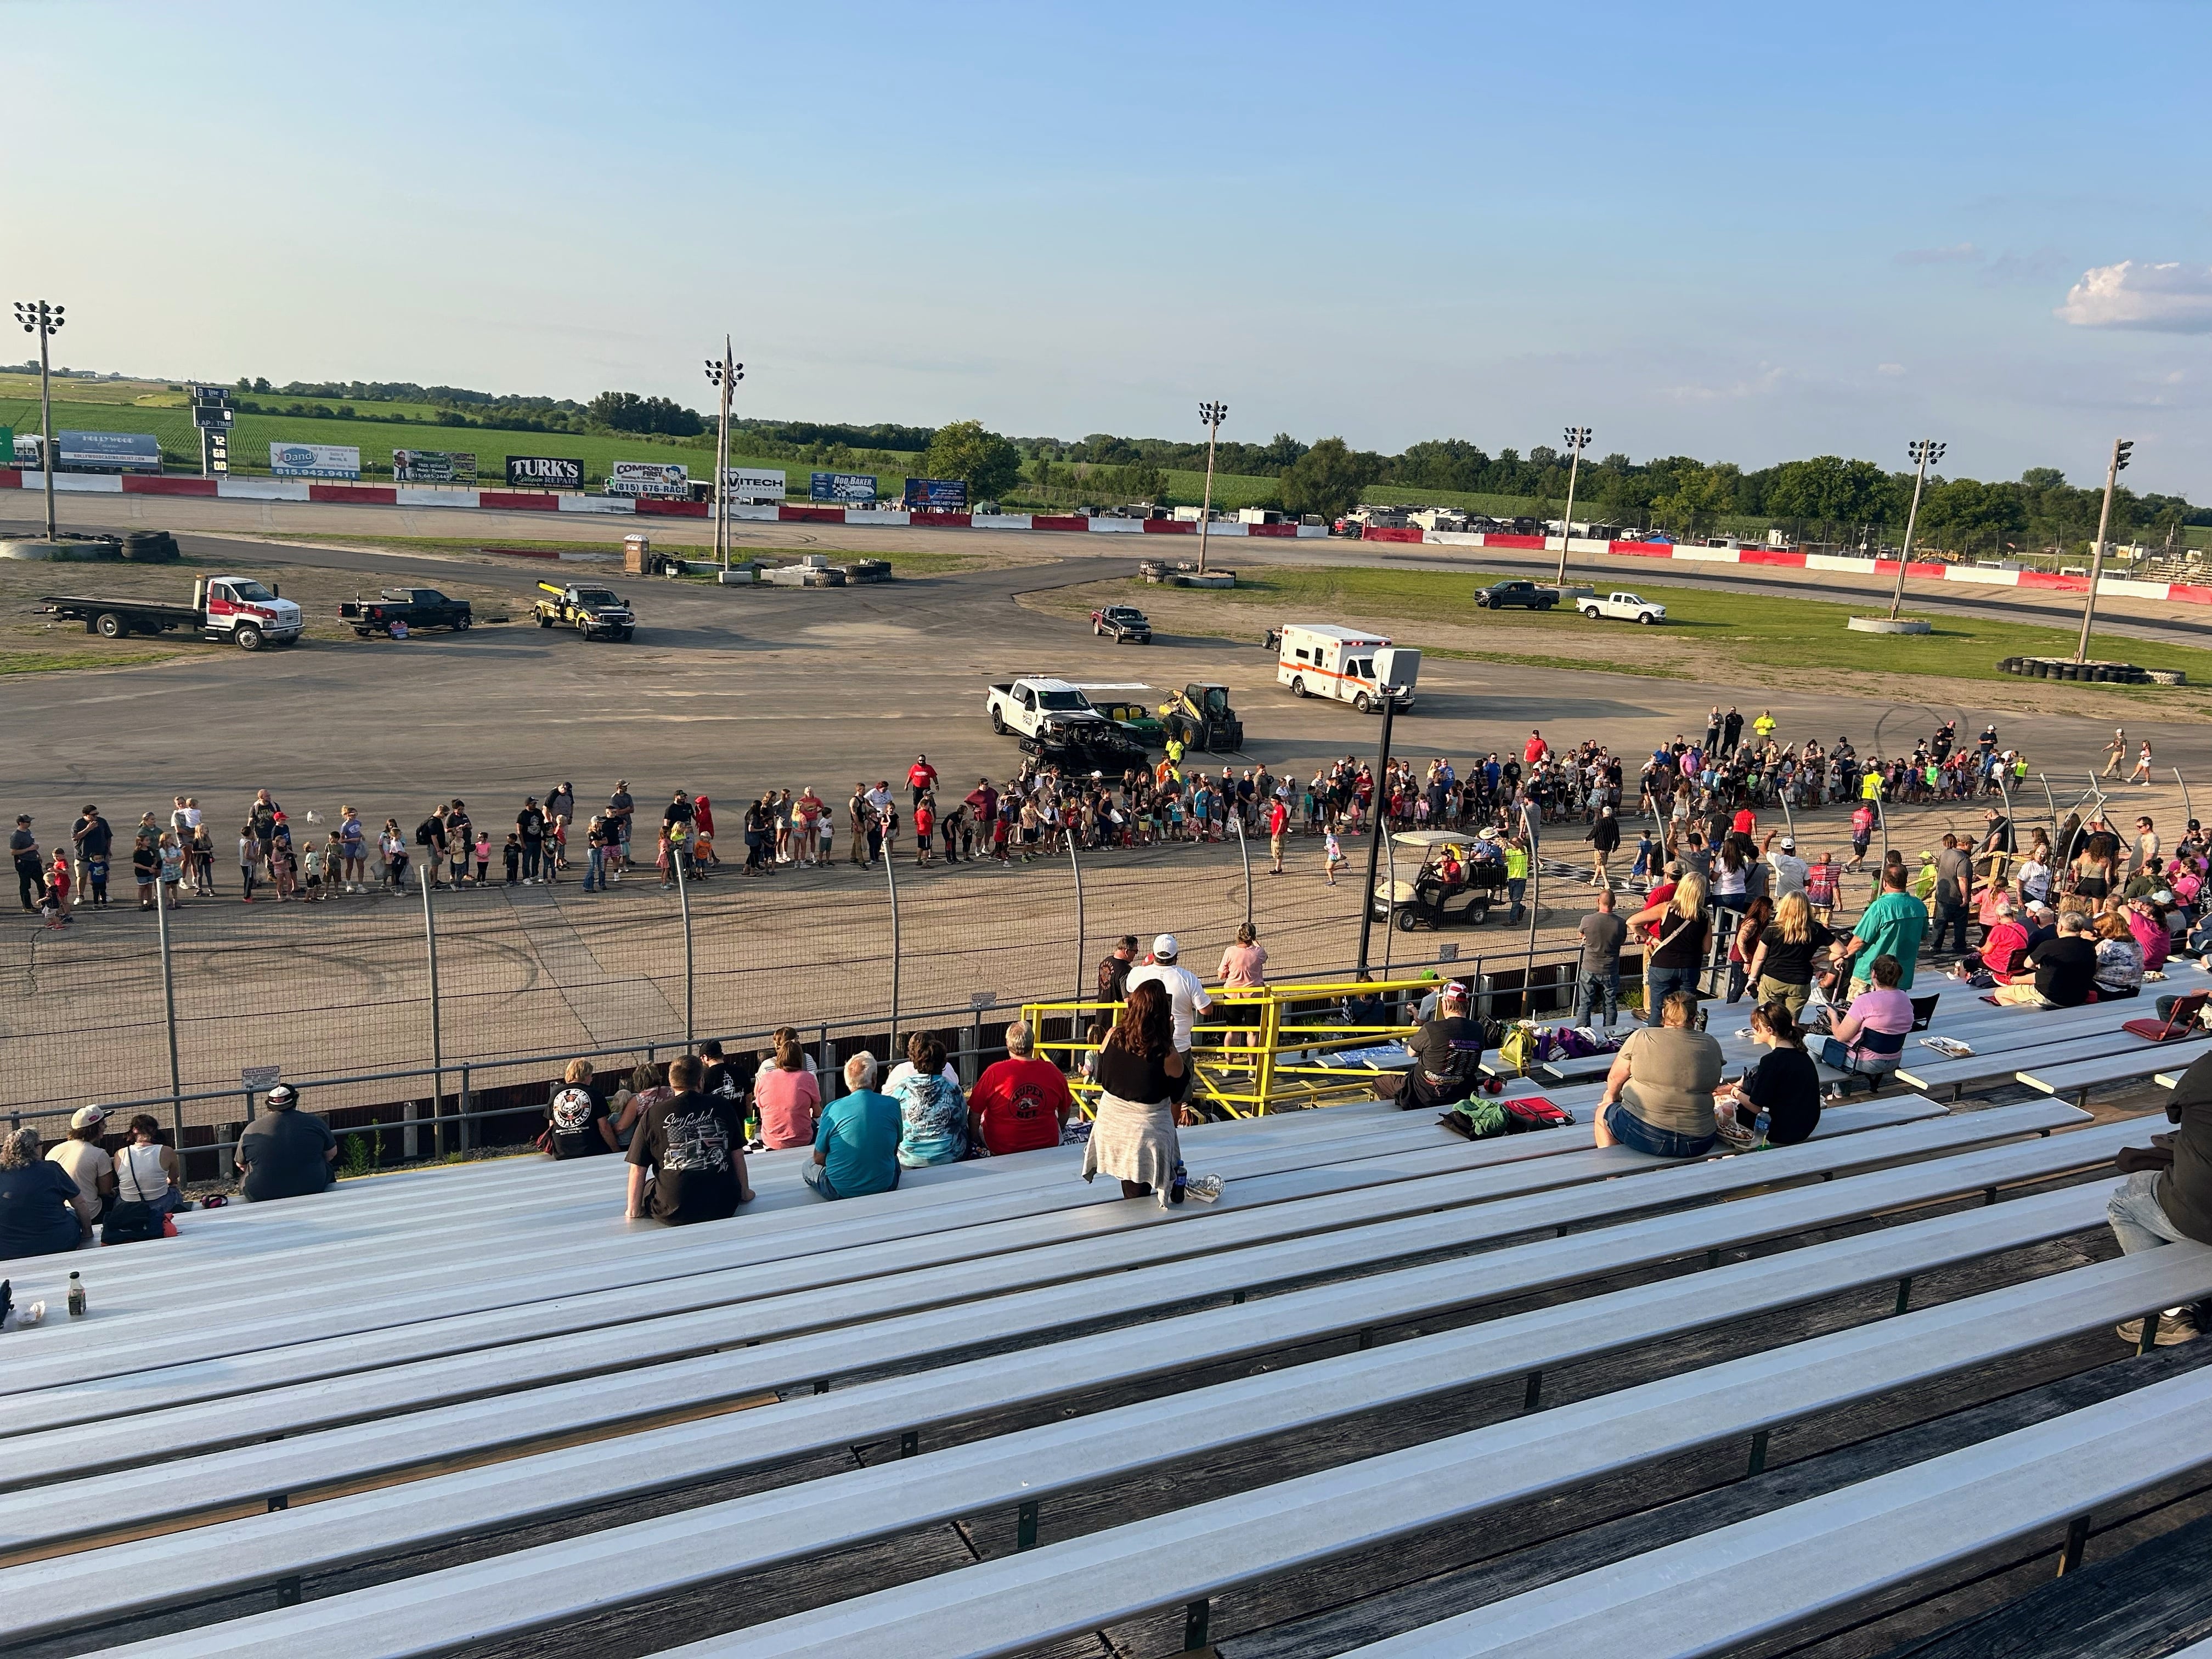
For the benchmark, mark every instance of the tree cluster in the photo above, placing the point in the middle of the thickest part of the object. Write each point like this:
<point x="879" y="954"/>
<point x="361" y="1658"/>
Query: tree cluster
<point x="625" y="411"/>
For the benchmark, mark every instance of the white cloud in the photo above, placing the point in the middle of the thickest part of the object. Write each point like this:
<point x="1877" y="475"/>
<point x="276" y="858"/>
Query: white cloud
<point x="1889" y="371"/>
<point x="1958" y="253"/>
<point x="2170" y="298"/>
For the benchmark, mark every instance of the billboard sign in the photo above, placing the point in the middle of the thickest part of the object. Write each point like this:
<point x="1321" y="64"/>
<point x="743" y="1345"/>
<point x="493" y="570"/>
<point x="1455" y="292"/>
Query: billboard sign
<point x="544" y="473"/>
<point x="753" y="486"/>
<point x="111" y="452"/>
<point x="937" y="495"/>
<point x="648" y="478"/>
<point x="433" y="466"/>
<point x="315" y="460"/>
<point x="841" y="487"/>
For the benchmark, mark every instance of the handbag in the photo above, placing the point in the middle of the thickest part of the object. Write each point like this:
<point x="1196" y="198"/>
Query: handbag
<point x="129" y="1222"/>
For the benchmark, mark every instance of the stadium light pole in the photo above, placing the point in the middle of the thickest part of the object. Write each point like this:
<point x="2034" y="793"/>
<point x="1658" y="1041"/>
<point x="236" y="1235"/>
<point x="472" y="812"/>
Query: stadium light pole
<point x="723" y="375"/>
<point x="1579" y="439"/>
<point x="1925" y="453"/>
<point x="44" y="320"/>
<point x="1211" y="415"/>
<point x="2118" y="464"/>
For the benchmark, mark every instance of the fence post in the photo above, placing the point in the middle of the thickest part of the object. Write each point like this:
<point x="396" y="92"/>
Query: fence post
<point x="2188" y="811"/>
<point x="1390" y="904"/>
<point x="1536" y="901"/>
<point x="890" y="880"/>
<point x="677" y="858"/>
<point x="161" y="890"/>
<point x="1075" y="867"/>
<point x="464" y="1130"/>
<point x="1243" y="852"/>
<point x="828" y="1075"/>
<point x="1271" y="1033"/>
<point x="437" y="1036"/>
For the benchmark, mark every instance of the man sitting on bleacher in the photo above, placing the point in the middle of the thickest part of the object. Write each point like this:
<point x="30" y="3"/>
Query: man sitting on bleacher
<point x="2065" y="969"/>
<point x="2166" y="1198"/>
<point x="1447" y="1058"/>
<point x="687" y="1160"/>
<point x="856" y="1141"/>
<point x="285" y="1152"/>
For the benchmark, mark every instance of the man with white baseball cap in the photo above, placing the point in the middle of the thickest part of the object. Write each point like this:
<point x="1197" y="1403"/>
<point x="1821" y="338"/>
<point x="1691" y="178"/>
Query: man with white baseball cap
<point x="285" y="1152"/>
<point x="1789" y="868"/>
<point x="1187" y="997"/>
<point x="87" y="1162"/>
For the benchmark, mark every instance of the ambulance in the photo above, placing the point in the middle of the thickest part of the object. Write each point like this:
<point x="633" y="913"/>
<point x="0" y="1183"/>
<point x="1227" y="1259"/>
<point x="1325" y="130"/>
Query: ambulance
<point x="1316" y="660"/>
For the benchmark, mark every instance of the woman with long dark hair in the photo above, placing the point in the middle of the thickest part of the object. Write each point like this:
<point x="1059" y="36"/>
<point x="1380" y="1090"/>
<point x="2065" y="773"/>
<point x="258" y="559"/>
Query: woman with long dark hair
<point x="1140" y="1078"/>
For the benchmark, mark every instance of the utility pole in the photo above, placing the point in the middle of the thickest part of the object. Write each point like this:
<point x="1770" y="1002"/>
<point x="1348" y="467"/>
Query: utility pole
<point x="1924" y="452"/>
<point x="44" y="320"/>
<point x="723" y="373"/>
<point x="1579" y="439"/>
<point x="2118" y="464"/>
<point x="1211" y="415"/>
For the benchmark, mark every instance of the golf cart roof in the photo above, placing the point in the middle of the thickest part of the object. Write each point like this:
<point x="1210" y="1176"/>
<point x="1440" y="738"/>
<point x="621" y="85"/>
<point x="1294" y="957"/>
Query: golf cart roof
<point x="1433" y="837"/>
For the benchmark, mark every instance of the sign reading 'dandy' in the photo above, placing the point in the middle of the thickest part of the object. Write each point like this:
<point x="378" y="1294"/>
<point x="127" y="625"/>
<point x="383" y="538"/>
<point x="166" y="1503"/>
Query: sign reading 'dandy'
<point x="315" y="460"/>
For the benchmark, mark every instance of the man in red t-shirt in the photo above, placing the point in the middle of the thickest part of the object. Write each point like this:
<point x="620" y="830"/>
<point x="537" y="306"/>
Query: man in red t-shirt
<point x="1279" y="820"/>
<point x="1534" y="749"/>
<point x="1021" y="1103"/>
<point x="920" y="777"/>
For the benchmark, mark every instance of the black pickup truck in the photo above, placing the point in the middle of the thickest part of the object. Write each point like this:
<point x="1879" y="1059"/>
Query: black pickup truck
<point x="1500" y="596"/>
<point x="411" y="608"/>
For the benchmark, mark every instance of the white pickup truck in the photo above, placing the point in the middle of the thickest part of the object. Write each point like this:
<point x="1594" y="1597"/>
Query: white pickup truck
<point x="1054" y="719"/>
<point x="1621" y="607"/>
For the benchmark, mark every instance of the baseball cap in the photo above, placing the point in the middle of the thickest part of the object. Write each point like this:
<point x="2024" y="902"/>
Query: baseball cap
<point x="1165" y="946"/>
<point x="2164" y="895"/>
<point x="88" y="1115"/>
<point x="282" y="1098"/>
<point x="2037" y="907"/>
<point x="1454" y="992"/>
<point x="1789" y="843"/>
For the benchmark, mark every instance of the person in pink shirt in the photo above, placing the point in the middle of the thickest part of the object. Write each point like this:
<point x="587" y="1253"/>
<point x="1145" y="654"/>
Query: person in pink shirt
<point x="1244" y="967"/>
<point x="786" y="1098"/>
<point x="2149" y="926"/>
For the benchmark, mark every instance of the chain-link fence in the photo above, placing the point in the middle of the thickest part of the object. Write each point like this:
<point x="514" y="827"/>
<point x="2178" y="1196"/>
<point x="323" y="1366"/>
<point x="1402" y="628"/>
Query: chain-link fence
<point x="339" y="993"/>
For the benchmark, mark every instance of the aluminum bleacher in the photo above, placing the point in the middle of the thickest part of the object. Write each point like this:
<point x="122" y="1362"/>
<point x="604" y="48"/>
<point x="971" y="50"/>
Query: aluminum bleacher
<point x="466" y="1407"/>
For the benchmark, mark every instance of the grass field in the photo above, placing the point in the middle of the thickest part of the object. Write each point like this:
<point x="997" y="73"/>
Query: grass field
<point x="1705" y="628"/>
<point x="49" y="662"/>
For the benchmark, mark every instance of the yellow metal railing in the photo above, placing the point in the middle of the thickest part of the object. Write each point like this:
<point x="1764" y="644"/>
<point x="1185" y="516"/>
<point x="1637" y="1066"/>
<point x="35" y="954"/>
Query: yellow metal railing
<point x="1272" y="1064"/>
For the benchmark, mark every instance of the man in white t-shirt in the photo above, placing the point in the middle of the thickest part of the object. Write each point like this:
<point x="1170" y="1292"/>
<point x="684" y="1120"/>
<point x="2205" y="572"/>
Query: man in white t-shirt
<point x="1788" y="869"/>
<point x="1187" y="998"/>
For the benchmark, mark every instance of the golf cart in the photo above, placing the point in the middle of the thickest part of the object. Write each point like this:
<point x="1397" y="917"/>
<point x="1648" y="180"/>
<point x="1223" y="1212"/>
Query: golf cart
<point x="1422" y="897"/>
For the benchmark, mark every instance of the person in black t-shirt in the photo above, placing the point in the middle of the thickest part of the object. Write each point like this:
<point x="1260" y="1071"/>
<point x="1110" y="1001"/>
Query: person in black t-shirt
<point x="576" y="1121"/>
<point x="1784" y="1083"/>
<point x="530" y="824"/>
<point x="687" y="1160"/>
<point x="1447" y="1058"/>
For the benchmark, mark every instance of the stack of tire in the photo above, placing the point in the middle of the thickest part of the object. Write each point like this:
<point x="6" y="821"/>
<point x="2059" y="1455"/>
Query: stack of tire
<point x="2054" y="668"/>
<point x="150" y="547"/>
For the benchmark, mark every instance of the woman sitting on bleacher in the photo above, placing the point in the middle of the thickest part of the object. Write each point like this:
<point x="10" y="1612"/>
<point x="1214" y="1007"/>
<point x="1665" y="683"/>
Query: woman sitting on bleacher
<point x="1659" y="1095"/>
<point x="2119" y="959"/>
<point x="932" y="1110"/>
<point x="1141" y="1077"/>
<point x="1869" y="1041"/>
<point x="1783" y="1084"/>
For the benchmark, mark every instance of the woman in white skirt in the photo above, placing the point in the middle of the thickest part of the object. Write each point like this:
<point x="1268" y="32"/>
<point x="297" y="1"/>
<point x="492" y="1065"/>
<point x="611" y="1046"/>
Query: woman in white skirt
<point x="1141" y="1076"/>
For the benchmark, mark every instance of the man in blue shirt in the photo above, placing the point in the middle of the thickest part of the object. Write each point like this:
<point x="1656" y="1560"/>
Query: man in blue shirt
<point x="856" y="1143"/>
<point x="1893" y="926"/>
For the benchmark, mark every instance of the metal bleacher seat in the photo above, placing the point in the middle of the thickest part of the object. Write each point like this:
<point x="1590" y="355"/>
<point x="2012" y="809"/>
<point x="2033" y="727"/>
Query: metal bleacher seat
<point x="531" y="1589"/>
<point x="1726" y="1589"/>
<point x="1863" y="1539"/>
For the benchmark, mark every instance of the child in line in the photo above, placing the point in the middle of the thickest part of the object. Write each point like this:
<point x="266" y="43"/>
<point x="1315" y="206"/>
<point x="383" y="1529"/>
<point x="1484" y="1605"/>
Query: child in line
<point x="484" y="854"/>
<point x="1332" y="857"/>
<point x="56" y="906"/>
<point x="311" y="865"/>
<point x="512" y="853"/>
<point x="95" y="875"/>
<point x="249" y="859"/>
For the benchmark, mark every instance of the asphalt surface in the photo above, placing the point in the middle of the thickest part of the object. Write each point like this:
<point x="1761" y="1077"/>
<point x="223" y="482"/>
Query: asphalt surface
<point x="733" y="690"/>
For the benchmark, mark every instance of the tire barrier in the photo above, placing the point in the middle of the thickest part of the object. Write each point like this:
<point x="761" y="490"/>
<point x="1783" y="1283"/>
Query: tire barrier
<point x="2102" y="673"/>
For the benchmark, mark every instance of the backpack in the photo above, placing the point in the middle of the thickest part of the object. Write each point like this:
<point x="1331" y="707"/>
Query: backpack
<point x="1477" y="1120"/>
<point x="1519" y="1051"/>
<point x="426" y="833"/>
<point x="1525" y="1113"/>
<point x="130" y="1222"/>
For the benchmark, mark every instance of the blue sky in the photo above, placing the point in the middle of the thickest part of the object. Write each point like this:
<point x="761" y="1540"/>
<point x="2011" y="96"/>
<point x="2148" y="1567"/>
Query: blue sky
<point x="1735" y="232"/>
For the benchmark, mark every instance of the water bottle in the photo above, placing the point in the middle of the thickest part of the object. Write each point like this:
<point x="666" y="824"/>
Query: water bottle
<point x="76" y="1284"/>
<point x="1178" y="1185"/>
<point x="1758" y="1128"/>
